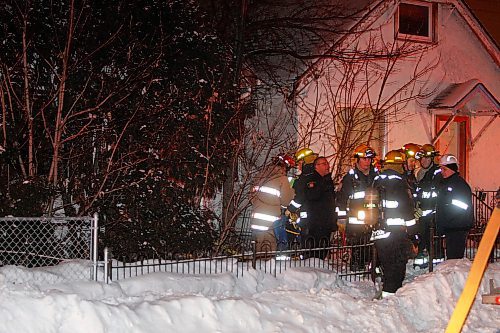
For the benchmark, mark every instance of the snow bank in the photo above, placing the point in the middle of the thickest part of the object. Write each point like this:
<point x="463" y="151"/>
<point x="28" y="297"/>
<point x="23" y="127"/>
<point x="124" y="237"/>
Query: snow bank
<point x="299" y="300"/>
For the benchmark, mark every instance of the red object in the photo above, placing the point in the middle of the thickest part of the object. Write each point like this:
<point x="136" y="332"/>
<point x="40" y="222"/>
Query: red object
<point x="287" y="160"/>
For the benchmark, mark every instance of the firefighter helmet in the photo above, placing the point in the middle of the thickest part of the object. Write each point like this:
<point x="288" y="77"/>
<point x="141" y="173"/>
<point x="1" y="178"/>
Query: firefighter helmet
<point x="364" y="151"/>
<point x="395" y="157"/>
<point x="411" y="149"/>
<point x="427" y="150"/>
<point x="305" y="154"/>
<point x="286" y="160"/>
<point x="448" y="159"/>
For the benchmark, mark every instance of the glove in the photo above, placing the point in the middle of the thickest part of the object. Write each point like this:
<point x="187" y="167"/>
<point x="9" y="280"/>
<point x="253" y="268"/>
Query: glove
<point x="413" y="251"/>
<point x="418" y="213"/>
<point x="293" y="217"/>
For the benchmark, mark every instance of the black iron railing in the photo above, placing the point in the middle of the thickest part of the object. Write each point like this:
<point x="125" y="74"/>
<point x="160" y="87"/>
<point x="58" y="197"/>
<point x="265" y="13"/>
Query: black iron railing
<point x="484" y="202"/>
<point x="336" y="256"/>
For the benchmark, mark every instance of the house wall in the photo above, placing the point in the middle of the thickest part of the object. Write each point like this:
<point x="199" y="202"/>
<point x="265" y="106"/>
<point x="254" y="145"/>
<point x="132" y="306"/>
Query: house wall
<point x="459" y="56"/>
<point x="463" y="57"/>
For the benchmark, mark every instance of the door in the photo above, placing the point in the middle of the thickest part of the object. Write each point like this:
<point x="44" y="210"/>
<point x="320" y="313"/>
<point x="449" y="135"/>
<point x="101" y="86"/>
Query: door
<point x="454" y="139"/>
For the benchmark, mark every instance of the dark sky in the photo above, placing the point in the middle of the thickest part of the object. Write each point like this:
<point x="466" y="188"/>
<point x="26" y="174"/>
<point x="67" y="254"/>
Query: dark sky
<point x="488" y="12"/>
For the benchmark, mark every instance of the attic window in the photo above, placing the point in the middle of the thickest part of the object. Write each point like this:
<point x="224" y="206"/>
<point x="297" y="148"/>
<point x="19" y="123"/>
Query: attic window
<point x="415" y="21"/>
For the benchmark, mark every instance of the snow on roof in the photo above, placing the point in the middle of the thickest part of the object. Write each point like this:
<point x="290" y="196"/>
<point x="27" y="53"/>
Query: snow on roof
<point x="471" y="95"/>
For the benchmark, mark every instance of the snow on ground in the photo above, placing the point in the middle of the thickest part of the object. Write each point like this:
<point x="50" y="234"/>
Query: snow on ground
<point x="298" y="300"/>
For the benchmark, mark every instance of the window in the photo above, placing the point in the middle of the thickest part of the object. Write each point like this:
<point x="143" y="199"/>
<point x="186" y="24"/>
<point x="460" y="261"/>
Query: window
<point x="356" y="125"/>
<point x="415" y="21"/>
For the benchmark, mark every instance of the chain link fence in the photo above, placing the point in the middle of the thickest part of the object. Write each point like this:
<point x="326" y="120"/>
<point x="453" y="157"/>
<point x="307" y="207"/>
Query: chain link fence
<point x="43" y="242"/>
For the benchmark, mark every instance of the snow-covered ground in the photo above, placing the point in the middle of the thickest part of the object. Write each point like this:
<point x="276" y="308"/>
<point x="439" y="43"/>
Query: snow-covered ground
<point x="298" y="300"/>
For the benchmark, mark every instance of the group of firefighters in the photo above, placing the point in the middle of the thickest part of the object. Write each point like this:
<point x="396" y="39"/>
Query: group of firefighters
<point x="391" y="202"/>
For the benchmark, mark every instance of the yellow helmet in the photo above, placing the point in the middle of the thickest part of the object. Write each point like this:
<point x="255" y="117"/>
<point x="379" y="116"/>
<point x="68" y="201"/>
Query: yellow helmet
<point x="395" y="157"/>
<point x="364" y="151"/>
<point x="411" y="149"/>
<point x="305" y="154"/>
<point x="427" y="150"/>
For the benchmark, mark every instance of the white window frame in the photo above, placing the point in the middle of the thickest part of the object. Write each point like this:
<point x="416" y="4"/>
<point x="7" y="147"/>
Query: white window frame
<point x="431" y="27"/>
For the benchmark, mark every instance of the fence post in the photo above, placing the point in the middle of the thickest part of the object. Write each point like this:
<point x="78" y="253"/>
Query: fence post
<point x="432" y="244"/>
<point x="106" y="265"/>
<point x="94" y="245"/>
<point x="373" y="270"/>
<point x="254" y="254"/>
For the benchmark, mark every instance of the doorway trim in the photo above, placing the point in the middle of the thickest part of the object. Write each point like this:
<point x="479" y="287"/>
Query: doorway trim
<point x="464" y="137"/>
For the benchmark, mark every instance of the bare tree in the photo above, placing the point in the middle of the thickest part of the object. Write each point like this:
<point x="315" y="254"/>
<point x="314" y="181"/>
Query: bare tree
<point x="266" y="135"/>
<point x="355" y="98"/>
<point x="92" y="91"/>
<point x="274" y="42"/>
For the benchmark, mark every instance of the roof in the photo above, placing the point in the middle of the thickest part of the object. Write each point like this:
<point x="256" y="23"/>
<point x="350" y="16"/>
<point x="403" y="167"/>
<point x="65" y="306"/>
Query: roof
<point x="469" y="97"/>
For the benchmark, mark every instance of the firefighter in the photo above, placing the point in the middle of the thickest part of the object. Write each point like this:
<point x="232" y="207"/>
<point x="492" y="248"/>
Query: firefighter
<point x="298" y="229"/>
<point x="281" y="224"/>
<point x="428" y="179"/>
<point x="454" y="210"/>
<point x="319" y="197"/>
<point x="350" y="197"/>
<point x="396" y="224"/>
<point x="271" y="192"/>
<point x="410" y="150"/>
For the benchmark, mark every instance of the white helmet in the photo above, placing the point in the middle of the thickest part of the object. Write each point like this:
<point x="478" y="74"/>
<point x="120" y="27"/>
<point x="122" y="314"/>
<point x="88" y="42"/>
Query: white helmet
<point x="447" y="159"/>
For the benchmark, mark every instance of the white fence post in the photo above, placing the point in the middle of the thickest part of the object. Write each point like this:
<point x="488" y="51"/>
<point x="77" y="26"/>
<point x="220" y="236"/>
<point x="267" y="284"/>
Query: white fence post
<point x="106" y="265"/>
<point x="94" y="245"/>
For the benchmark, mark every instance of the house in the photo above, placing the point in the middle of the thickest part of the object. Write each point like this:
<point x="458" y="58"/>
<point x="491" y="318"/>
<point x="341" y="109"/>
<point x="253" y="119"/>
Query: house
<point x="409" y="71"/>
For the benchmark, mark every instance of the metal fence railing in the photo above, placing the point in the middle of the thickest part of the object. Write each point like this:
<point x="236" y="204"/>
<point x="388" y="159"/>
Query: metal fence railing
<point x="484" y="202"/>
<point x="336" y="257"/>
<point x="472" y="245"/>
<point x="182" y="264"/>
<point x="351" y="261"/>
<point x="42" y="242"/>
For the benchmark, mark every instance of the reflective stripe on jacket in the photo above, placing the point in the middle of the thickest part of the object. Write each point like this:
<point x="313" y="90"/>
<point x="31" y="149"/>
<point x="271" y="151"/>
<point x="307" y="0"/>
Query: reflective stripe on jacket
<point x="454" y="209"/>
<point x="271" y="192"/>
<point x="350" y="198"/>
<point x="396" y="202"/>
